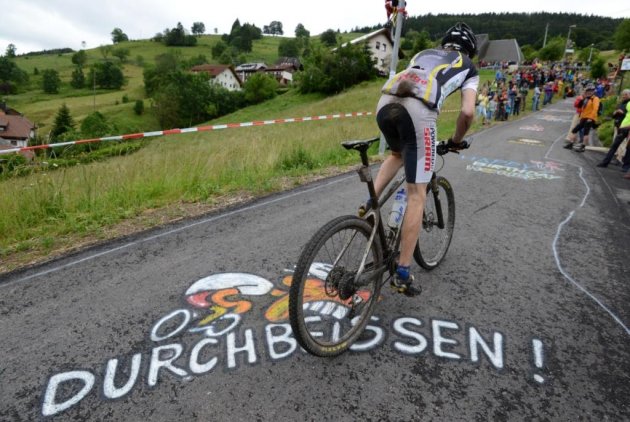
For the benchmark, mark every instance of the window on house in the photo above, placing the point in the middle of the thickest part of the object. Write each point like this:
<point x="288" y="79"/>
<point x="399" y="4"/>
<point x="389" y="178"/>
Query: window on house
<point x="384" y="47"/>
<point x="378" y="45"/>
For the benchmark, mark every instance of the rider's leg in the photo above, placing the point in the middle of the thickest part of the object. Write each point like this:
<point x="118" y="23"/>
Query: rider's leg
<point x="416" y="197"/>
<point x="388" y="170"/>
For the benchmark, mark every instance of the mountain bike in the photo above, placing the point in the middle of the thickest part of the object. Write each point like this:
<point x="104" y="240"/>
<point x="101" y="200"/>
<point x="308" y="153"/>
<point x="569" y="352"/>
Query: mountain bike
<point x="341" y="269"/>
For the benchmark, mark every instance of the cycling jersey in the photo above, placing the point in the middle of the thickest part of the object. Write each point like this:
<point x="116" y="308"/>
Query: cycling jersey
<point x="432" y="75"/>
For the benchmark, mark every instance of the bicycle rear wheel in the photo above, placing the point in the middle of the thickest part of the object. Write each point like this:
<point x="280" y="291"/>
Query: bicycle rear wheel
<point x="328" y="306"/>
<point x="434" y="241"/>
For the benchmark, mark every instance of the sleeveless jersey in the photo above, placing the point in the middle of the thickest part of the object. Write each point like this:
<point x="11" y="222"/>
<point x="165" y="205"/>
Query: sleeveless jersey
<point x="432" y="76"/>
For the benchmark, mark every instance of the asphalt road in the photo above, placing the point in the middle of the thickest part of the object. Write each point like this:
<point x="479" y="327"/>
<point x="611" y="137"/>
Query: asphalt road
<point x="526" y="319"/>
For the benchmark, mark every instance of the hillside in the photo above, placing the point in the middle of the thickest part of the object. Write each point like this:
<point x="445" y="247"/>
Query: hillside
<point x="116" y="105"/>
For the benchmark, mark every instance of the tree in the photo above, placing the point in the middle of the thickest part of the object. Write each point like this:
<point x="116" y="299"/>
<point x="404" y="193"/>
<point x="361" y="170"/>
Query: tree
<point x="63" y="122"/>
<point x="105" y="50"/>
<point x="218" y="49"/>
<point x="178" y="37"/>
<point x="288" y="47"/>
<point x="108" y="75"/>
<point x="11" y="73"/>
<point x="121" y="53"/>
<point x="329" y="38"/>
<point x="78" y="78"/>
<point x="598" y="68"/>
<point x="301" y="32"/>
<point x="274" y="28"/>
<point x="554" y="50"/>
<point x="10" y="51"/>
<point x="119" y="36"/>
<point x="95" y="125"/>
<point x="138" y="108"/>
<point x="80" y="58"/>
<point x="198" y="28"/>
<point x="260" y="87"/>
<point x="330" y="72"/>
<point x="51" y="81"/>
<point x="622" y="36"/>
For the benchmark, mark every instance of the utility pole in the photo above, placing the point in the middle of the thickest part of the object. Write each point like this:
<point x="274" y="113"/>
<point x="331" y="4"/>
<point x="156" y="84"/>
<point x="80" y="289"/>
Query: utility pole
<point x="545" y="40"/>
<point x="400" y="17"/>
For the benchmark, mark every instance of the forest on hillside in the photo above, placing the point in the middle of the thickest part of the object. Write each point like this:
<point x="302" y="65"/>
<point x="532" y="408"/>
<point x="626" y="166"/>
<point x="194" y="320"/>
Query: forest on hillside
<point x="526" y="28"/>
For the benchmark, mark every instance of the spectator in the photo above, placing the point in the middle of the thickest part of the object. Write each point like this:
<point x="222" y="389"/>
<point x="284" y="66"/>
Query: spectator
<point x="577" y="104"/>
<point x="588" y="119"/>
<point x="548" y="93"/>
<point x="621" y="134"/>
<point x="536" y="98"/>
<point x="517" y="105"/>
<point x="512" y="94"/>
<point x="482" y="105"/>
<point x="524" y="91"/>
<point x="600" y="90"/>
<point x="492" y="107"/>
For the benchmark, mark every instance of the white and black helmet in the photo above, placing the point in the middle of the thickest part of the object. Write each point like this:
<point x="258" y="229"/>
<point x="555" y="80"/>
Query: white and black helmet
<point x="461" y="37"/>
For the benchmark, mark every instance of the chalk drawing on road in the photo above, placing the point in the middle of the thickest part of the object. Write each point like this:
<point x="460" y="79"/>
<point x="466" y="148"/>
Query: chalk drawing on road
<point x="552" y="118"/>
<point x="207" y="336"/>
<point x="533" y="128"/>
<point x="534" y="170"/>
<point x="525" y="141"/>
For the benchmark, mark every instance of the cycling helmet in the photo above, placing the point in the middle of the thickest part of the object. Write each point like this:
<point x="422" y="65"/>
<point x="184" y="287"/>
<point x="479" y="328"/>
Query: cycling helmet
<point x="461" y="37"/>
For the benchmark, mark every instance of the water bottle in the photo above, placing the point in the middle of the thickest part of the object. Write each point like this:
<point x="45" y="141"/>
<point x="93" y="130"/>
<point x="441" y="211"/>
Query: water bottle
<point x="398" y="209"/>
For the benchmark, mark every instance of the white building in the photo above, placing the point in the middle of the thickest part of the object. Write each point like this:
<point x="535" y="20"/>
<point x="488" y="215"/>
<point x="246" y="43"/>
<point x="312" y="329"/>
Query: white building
<point x="222" y="75"/>
<point x="381" y="46"/>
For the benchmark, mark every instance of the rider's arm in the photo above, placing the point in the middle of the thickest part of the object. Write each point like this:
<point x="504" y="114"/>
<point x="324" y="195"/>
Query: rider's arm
<point x="466" y="114"/>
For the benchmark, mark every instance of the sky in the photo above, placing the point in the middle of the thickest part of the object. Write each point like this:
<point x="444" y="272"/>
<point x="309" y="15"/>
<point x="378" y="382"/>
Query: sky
<point x="33" y="25"/>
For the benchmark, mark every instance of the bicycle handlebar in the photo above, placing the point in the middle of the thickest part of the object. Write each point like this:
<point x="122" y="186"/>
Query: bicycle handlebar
<point x="445" y="147"/>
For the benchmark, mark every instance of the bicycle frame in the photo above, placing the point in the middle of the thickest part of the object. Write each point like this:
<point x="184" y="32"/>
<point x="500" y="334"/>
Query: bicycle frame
<point x="389" y="244"/>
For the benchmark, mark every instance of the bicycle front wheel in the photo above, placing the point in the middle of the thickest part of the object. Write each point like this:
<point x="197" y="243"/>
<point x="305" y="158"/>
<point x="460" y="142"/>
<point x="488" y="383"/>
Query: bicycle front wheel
<point x="329" y="302"/>
<point x="434" y="238"/>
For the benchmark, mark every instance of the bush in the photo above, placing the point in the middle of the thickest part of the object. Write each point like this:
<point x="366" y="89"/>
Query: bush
<point x="330" y="72"/>
<point x="260" y="87"/>
<point x="138" y="108"/>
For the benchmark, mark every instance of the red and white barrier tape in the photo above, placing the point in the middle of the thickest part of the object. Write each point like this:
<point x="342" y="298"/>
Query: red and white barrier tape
<point x="187" y="130"/>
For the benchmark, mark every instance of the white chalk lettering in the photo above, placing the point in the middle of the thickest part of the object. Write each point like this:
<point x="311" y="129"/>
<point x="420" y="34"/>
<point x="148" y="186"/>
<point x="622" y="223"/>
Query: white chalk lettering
<point x="50" y="406"/>
<point x="284" y="338"/>
<point x="495" y="357"/>
<point x="109" y="389"/>
<point x="421" y="341"/>
<point x="196" y="367"/>
<point x="370" y="344"/>
<point x="172" y="352"/>
<point x="156" y="328"/>
<point x="248" y="348"/>
<point x="439" y="339"/>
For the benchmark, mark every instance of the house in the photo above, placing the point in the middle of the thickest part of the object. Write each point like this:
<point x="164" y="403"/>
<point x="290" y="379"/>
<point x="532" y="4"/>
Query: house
<point x="245" y="70"/>
<point x="222" y="75"/>
<point x="284" y="69"/>
<point x="491" y="51"/>
<point x="15" y="129"/>
<point x="381" y="46"/>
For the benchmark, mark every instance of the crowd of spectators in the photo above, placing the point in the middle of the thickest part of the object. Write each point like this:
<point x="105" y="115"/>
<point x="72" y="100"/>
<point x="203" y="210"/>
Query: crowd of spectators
<point x="507" y="95"/>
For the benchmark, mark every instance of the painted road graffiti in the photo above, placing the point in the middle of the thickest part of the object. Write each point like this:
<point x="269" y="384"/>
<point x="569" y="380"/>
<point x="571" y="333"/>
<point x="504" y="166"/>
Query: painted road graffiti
<point x="529" y="142"/>
<point x="209" y="336"/>
<point x="533" y="128"/>
<point x="534" y="170"/>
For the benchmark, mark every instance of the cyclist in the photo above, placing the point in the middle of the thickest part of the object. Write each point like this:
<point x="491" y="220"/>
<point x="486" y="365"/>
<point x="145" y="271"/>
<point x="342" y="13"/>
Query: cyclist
<point x="407" y="114"/>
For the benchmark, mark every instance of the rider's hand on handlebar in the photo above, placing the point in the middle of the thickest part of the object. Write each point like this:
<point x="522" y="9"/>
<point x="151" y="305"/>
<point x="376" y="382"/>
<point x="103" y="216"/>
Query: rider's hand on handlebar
<point x="450" y="146"/>
<point x="456" y="146"/>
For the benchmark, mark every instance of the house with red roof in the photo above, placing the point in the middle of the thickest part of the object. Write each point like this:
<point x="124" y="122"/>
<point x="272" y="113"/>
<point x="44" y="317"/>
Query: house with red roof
<point x="15" y="129"/>
<point x="220" y="74"/>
